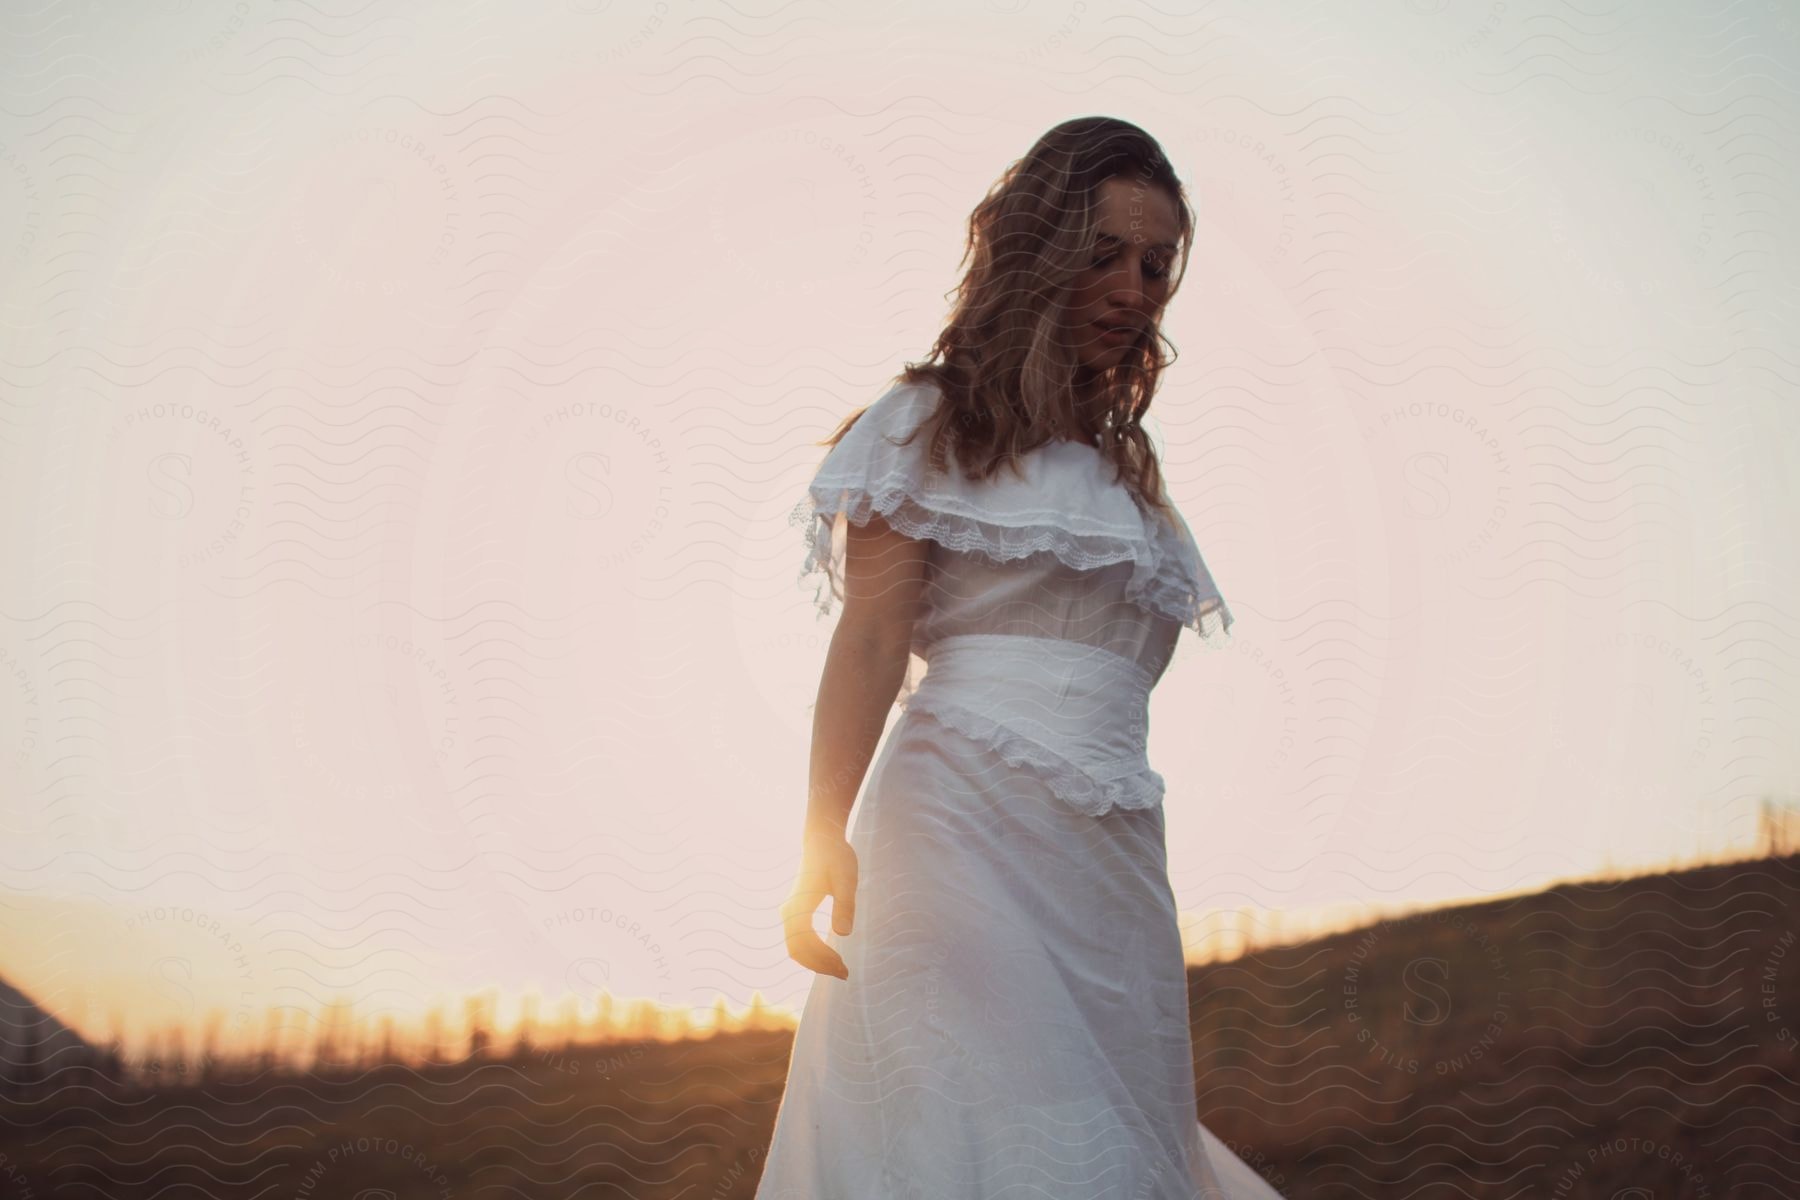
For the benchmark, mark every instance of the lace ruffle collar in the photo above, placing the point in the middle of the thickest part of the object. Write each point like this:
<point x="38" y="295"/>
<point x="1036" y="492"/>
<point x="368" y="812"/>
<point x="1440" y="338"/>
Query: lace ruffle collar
<point x="1066" y="503"/>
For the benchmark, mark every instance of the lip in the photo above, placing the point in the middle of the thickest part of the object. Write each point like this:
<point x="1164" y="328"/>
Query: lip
<point x="1117" y="335"/>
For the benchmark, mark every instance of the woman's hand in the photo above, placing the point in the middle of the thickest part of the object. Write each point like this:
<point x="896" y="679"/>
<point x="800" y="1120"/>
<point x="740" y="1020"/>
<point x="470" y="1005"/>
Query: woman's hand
<point x="827" y="867"/>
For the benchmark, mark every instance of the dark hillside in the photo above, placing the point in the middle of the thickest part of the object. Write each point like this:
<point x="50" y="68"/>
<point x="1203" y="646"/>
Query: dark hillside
<point x="1581" y="1042"/>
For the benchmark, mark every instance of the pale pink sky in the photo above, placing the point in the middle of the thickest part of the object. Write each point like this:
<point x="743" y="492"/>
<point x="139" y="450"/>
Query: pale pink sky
<point x="402" y="424"/>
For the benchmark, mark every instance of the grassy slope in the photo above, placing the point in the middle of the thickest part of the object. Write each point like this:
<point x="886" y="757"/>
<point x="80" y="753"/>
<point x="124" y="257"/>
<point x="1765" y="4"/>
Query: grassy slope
<point x="1576" y="1042"/>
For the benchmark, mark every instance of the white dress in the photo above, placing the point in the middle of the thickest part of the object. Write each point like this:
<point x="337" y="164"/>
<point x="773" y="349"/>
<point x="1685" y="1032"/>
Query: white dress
<point x="1015" y="1022"/>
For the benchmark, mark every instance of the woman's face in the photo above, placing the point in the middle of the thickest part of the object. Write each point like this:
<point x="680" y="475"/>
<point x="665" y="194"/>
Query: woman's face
<point x="1118" y="299"/>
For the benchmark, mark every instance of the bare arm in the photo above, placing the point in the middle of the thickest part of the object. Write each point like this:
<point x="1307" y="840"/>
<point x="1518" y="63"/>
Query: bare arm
<point x="884" y="576"/>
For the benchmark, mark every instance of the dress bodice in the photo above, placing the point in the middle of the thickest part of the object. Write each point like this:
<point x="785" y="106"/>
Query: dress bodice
<point x="1052" y="602"/>
<point x="1042" y="597"/>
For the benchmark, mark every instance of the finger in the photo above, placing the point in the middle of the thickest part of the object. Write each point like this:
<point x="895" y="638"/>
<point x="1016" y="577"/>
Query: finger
<point x="810" y="951"/>
<point x="843" y="891"/>
<point x="843" y="906"/>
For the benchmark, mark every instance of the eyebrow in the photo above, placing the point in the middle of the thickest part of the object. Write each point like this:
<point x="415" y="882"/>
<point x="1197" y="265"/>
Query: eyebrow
<point x="1115" y="238"/>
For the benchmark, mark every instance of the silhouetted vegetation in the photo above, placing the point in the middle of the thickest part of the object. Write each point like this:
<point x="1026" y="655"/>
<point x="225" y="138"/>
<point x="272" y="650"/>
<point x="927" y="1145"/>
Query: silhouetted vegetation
<point x="1579" y="1042"/>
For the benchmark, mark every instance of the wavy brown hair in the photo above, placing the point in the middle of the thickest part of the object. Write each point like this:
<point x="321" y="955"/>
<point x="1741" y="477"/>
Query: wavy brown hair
<point x="1003" y="365"/>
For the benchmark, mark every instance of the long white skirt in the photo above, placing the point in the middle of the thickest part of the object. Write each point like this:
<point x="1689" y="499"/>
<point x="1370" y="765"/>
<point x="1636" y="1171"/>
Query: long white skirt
<point x="1015" y="1022"/>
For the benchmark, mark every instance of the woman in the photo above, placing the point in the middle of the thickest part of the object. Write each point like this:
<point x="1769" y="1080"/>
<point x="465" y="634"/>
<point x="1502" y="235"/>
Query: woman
<point x="1004" y="1011"/>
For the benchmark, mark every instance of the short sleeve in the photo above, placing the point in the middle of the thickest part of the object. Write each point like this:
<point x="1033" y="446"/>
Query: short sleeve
<point x="866" y="473"/>
<point x="1184" y="587"/>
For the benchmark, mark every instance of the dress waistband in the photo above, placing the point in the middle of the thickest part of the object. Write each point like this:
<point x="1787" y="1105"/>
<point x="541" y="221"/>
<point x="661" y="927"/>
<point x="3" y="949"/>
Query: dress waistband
<point x="1077" y="713"/>
<point x="1013" y="646"/>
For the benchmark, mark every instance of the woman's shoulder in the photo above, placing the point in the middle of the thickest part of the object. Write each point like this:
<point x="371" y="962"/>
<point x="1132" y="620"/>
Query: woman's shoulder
<point x="901" y="407"/>
<point x="1064" y="499"/>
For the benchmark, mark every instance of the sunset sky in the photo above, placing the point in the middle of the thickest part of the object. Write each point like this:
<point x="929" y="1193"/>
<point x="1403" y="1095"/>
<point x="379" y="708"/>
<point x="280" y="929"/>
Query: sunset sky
<point x="404" y="409"/>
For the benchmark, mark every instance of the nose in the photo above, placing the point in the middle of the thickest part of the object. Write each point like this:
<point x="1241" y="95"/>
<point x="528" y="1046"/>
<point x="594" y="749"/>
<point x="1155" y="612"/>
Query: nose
<point x="1129" y="287"/>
